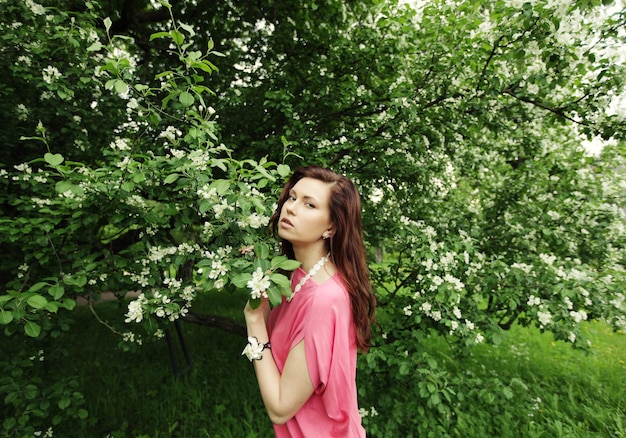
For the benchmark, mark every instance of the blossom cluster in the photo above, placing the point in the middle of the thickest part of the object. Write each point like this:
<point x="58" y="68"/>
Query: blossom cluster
<point x="371" y="412"/>
<point x="439" y="293"/>
<point x="259" y="284"/>
<point x="215" y="266"/>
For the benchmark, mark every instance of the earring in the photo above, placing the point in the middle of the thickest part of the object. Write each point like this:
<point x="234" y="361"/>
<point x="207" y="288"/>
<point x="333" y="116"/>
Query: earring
<point x="326" y="235"/>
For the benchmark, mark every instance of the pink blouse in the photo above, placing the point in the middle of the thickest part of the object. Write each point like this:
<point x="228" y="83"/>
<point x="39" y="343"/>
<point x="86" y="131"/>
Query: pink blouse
<point x="321" y="314"/>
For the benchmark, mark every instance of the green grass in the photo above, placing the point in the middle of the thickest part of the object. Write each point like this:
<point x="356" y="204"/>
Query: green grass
<point x="136" y="394"/>
<point x="132" y="394"/>
<point x="576" y="394"/>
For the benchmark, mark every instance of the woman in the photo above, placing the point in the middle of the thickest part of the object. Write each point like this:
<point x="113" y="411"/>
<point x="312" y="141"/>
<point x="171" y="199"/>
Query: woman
<point x="307" y="376"/>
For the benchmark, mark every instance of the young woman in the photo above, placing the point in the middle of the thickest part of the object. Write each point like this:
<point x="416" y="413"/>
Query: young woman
<point x="307" y="376"/>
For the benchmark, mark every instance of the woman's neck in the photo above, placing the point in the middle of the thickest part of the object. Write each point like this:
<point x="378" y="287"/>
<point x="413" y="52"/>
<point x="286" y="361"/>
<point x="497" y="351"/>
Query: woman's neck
<point x="309" y="256"/>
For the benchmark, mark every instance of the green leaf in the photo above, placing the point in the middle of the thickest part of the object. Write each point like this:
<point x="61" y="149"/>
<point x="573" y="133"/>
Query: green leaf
<point x="212" y="66"/>
<point x="188" y="28"/>
<point x="30" y="392"/>
<point x="264" y="264"/>
<point x="110" y="84"/>
<point x="289" y="265"/>
<point x="431" y="387"/>
<point x="10" y="422"/>
<point x="159" y="35"/>
<point x="282" y="262"/>
<point x="186" y="98"/>
<point x="95" y="47"/>
<point x="171" y="178"/>
<point x="53" y="159"/>
<point x="37" y="301"/>
<point x="283" y="170"/>
<point x="121" y="87"/>
<point x="5" y="317"/>
<point x="64" y="403"/>
<point x="205" y="206"/>
<point x="177" y="37"/>
<point x="139" y="177"/>
<point x="52" y="307"/>
<point x="76" y="280"/>
<point x="69" y="303"/>
<point x="283" y="283"/>
<point x="507" y="392"/>
<point x="221" y="185"/>
<point x="62" y="186"/>
<point x="276" y="261"/>
<point x="128" y="186"/>
<point x="204" y="65"/>
<point x="262" y="250"/>
<point x="32" y="329"/>
<point x="241" y="280"/>
<point x="275" y="296"/>
<point x="37" y="286"/>
<point x="405" y="369"/>
<point x="107" y="23"/>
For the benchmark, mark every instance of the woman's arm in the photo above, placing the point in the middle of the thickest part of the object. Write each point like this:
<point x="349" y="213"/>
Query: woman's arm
<point x="283" y="395"/>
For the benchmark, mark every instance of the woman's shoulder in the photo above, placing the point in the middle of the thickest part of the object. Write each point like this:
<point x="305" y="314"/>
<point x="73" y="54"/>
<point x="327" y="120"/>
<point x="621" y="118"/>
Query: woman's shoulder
<point x="332" y="289"/>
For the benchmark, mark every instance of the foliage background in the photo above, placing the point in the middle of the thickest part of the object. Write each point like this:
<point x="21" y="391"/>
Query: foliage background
<point x="145" y="143"/>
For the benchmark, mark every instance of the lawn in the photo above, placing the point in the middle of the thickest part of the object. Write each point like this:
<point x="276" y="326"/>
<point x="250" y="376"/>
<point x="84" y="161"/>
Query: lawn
<point x="137" y="394"/>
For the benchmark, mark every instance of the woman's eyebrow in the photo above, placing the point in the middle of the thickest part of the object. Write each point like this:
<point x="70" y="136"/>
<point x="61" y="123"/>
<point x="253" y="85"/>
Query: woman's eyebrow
<point x="313" y="198"/>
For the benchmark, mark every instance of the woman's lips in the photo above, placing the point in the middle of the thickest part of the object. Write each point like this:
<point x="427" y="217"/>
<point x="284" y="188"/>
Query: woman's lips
<point x="286" y="223"/>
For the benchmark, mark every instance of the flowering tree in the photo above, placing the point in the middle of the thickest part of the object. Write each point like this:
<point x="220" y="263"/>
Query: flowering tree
<point x="157" y="209"/>
<point x="461" y="124"/>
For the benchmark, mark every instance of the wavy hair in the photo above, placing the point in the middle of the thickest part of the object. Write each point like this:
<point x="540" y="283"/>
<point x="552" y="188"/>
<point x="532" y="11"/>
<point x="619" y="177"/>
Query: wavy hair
<point x="346" y="247"/>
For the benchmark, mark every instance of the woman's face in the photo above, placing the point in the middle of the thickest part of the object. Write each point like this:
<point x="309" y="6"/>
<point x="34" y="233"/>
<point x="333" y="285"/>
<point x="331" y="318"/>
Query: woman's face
<point x="305" y="216"/>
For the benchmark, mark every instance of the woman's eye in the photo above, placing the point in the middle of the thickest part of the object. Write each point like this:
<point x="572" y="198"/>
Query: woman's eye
<point x="308" y="204"/>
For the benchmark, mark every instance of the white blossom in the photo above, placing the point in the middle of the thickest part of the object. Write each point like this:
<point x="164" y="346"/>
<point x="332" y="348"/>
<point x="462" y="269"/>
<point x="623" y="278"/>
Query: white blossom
<point x="579" y="316"/>
<point x="568" y="303"/>
<point x="50" y="73"/>
<point x="547" y="259"/>
<point x="545" y="318"/>
<point x="533" y="301"/>
<point x="35" y="8"/>
<point x="259" y="284"/>
<point x="457" y="312"/>
<point x="135" y="312"/>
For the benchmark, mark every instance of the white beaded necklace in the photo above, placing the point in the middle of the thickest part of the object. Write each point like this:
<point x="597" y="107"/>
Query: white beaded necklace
<point x="316" y="267"/>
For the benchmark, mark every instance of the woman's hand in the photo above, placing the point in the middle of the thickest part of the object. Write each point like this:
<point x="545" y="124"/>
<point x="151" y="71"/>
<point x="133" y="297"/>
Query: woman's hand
<point x="258" y="315"/>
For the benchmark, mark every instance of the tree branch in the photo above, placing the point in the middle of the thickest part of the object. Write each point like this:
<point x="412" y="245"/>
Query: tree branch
<point x="558" y="111"/>
<point x="228" y="325"/>
<point x="483" y="72"/>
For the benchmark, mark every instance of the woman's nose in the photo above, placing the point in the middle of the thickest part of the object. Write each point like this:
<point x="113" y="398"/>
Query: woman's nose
<point x="289" y="207"/>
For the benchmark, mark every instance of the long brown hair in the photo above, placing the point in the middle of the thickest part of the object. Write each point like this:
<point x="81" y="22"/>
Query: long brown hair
<point x="346" y="247"/>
